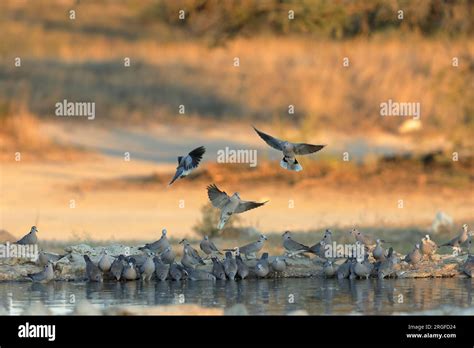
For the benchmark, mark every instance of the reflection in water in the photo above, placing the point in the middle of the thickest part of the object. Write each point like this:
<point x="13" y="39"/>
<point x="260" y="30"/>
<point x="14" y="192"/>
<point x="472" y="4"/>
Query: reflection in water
<point x="262" y="296"/>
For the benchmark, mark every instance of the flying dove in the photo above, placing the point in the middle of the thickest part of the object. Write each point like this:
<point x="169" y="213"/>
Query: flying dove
<point x="278" y="264"/>
<point x="428" y="247"/>
<point x="230" y="265"/>
<point x="378" y="253"/>
<point x="262" y="268"/>
<point x="117" y="267"/>
<point x="196" y="274"/>
<point x="218" y="268"/>
<point x="148" y="267"/>
<point x="291" y="246"/>
<point x="290" y="150"/>
<point x="45" y="257"/>
<point x="328" y="269"/>
<point x="105" y="262"/>
<point x="168" y="255"/>
<point x="158" y="246"/>
<point x="253" y="248"/>
<point x="457" y="241"/>
<point x="45" y="275"/>
<point x="177" y="271"/>
<point x="94" y="274"/>
<point x="187" y="163"/>
<point x="191" y="253"/>
<point x="29" y="238"/>
<point x="414" y="256"/>
<point x="229" y="205"/>
<point x="361" y="237"/>
<point x="208" y="247"/>
<point x="242" y="268"/>
<point x="130" y="271"/>
<point x="161" y="269"/>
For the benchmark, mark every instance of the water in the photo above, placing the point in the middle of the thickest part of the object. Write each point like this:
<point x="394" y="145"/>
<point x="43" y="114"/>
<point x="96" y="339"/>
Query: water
<point x="261" y="297"/>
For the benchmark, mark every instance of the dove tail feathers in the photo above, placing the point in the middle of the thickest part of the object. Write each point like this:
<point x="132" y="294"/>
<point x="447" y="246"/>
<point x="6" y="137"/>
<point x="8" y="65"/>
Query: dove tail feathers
<point x="176" y="176"/>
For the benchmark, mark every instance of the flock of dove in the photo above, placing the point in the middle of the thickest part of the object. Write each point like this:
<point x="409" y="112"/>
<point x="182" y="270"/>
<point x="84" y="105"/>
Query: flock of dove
<point x="157" y="259"/>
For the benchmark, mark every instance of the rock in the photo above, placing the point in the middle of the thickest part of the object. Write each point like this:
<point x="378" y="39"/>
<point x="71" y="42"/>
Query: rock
<point x="237" y="309"/>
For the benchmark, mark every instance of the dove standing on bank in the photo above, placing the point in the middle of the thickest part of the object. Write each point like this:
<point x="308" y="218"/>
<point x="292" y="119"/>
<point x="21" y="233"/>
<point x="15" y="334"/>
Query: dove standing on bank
<point x="320" y="249"/>
<point x="363" y="268"/>
<point x="94" y="274"/>
<point x="361" y="237"/>
<point x="161" y="269"/>
<point x="105" y="261"/>
<point x="45" y="275"/>
<point x="229" y="205"/>
<point x="230" y="265"/>
<point x="457" y="241"/>
<point x="253" y="248"/>
<point x="428" y="247"/>
<point x="378" y="253"/>
<point x="278" y="264"/>
<point x="190" y="254"/>
<point x="208" y="247"/>
<point x="117" y="267"/>
<point x="158" y="246"/>
<point x="29" y="238"/>
<point x="187" y="163"/>
<point x="168" y="255"/>
<point x="343" y="271"/>
<point x="385" y="268"/>
<point x="291" y="246"/>
<point x="328" y="269"/>
<point x="242" y="269"/>
<point x="45" y="257"/>
<point x="290" y="150"/>
<point x="218" y="268"/>
<point x="196" y="274"/>
<point x="414" y="257"/>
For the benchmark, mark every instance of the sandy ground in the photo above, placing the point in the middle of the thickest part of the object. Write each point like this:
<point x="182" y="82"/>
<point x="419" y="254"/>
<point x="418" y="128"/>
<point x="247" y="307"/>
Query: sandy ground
<point x="40" y="193"/>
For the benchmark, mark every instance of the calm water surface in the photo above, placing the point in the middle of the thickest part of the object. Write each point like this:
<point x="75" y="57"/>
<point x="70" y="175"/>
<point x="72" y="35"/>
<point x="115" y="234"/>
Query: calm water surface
<point x="261" y="297"/>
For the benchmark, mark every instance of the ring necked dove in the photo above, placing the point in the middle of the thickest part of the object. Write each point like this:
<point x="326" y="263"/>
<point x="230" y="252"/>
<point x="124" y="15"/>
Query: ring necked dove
<point x="242" y="269"/>
<point x="428" y="247"/>
<point x="161" y="269"/>
<point x="29" y="238"/>
<point x="252" y="249"/>
<point x="117" y="267"/>
<point x="278" y="264"/>
<point x="320" y="249"/>
<point x="177" y="272"/>
<point x="158" y="246"/>
<point x="130" y="271"/>
<point x="45" y="257"/>
<point x="361" y="237"/>
<point x="218" y="268"/>
<point x="379" y="252"/>
<point x="262" y="268"/>
<point x="197" y="274"/>
<point x="291" y="246"/>
<point x="363" y="268"/>
<point x="385" y="267"/>
<point x="191" y="253"/>
<point x="208" y="247"/>
<point x="148" y="267"/>
<point x="93" y="273"/>
<point x="414" y="257"/>
<point x="230" y="265"/>
<point x="290" y="150"/>
<point x="168" y="255"/>
<point x="187" y="163"/>
<point x="343" y="271"/>
<point x="229" y="205"/>
<point x="328" y="269"/>
<point x="105" y="261"/>
<point x="45" y="275"/>
<point x="457" y="241"/>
